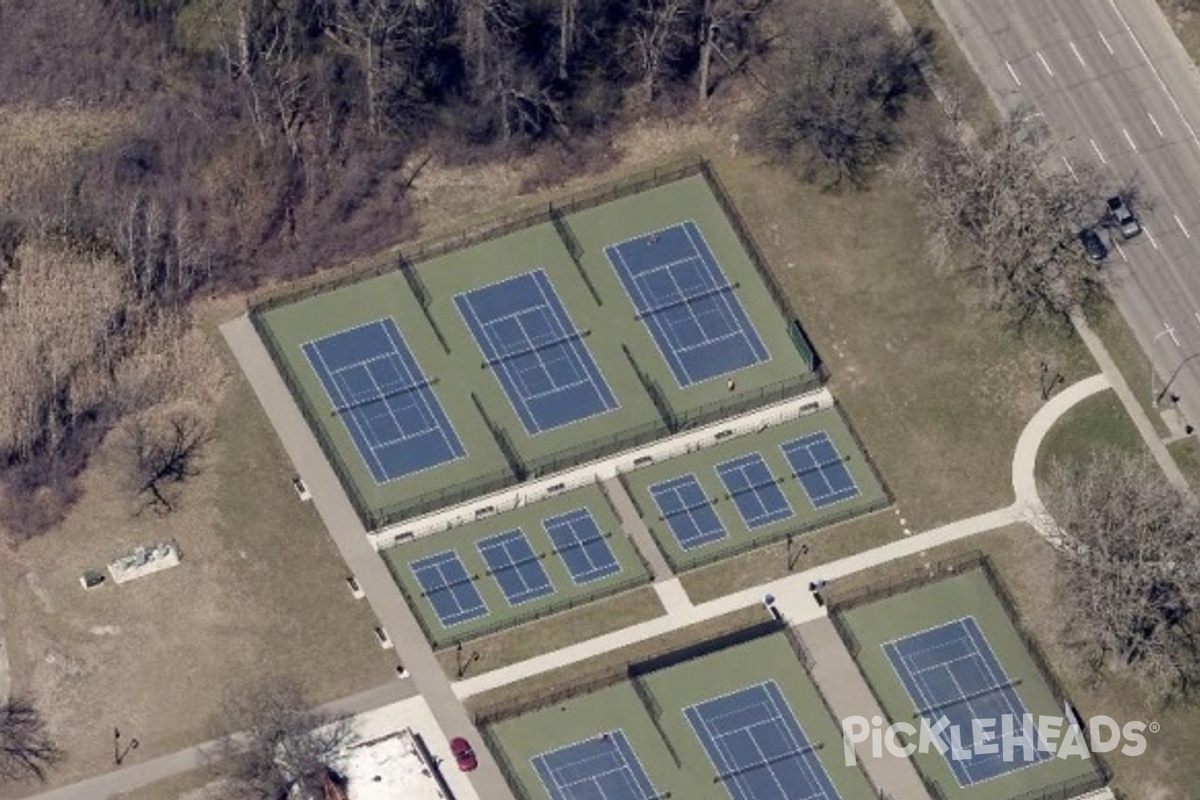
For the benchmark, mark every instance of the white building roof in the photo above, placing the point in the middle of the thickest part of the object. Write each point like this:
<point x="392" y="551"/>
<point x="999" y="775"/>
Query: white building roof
<point x="390" y="767"/>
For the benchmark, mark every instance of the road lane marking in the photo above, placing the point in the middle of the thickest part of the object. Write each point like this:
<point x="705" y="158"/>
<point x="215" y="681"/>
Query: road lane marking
<point x="1120" y="250"/>
<point x="1167" y="331"/>
<point x="1070" y="169"/>
<point x="1150" y="236"/>
<point x="1046" y="65"/>
<point x="1129" y="139"/>
<point x="1154" y="69"/>
<point x="1154" y="122"/>
<point x="1013" y="72"/>
<point x="1096" y="147"/>
<point x="1104" y="39"/>
<point x="1179" y="222"/>
<point x="1075" y="50"/>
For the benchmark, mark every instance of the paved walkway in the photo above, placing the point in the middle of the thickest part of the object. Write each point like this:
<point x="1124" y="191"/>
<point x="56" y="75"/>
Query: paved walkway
<point x="356" y="550"/>
<point x="635" y="529"/>
<point x="840" y="682"/>
<point x="1132" y="406"/>
<point x="140" y="774"/>
<point x="791" y="593"/>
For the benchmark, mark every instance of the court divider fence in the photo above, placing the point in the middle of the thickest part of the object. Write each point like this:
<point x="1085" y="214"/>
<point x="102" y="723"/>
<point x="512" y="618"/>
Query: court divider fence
<point x="839" y="600"/>
<point x="405" y="258"/>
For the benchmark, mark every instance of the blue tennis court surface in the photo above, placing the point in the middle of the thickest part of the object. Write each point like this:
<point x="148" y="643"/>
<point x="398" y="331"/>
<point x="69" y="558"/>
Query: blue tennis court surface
<point x="449" y="589"/>
<point x="683" y="504"/>
<point x="758" y="748"/>
<point x="538" y="356"/>
<point x="514" y="565"/>
<point x="951" y="671"/>
<point x="758" y="497"/>
<point x="820" y="469"/>
<point x="684" y="299"/>
<point x="580" y="544"/>
<point x="603" y="767"/>
<point x="387" y="405"/>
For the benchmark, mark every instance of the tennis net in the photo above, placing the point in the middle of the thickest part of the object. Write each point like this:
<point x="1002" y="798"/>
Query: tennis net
<point x="570" y="337"/>
<point x="687" y="300"/>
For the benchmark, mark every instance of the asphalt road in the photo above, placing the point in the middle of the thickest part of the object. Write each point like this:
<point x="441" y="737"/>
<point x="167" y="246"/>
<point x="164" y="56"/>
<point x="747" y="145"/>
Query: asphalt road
<point x="1117" y="92"/>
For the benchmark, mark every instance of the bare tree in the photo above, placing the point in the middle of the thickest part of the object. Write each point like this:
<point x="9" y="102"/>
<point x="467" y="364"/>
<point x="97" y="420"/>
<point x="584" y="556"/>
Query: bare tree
<point x="161" y="455"/>
<point x="26" y="749"/>
<point x="997" y="204"/>
<point x="1131" y="545"/>
<point x="836" y="90"/>
<point x="659" y="31"/>
<point x="274" y="744"/>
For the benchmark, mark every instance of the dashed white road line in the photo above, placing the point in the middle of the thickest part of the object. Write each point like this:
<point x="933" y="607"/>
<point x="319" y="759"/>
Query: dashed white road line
<point x="1096" y="147"/>
<point x="1154" y="122"/>
<point x="1013" y="72"/>
<point x="1129" y="139"/>
<point x="1150" y="236"/>
<point x="1075" y="50"/>
<point x="1104" y="39"/>
<point x="1070" y="169"/>
<point x="1120" y="250"/>
<point x="1045" y="64"/>
<point x="1182" y="227"/>
<point x="1154" y="69"/>
<point x="1167" y="331"/>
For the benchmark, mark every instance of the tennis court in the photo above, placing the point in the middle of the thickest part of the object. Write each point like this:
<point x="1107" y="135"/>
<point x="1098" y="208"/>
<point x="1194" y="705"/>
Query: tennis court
<point x="602" y="767"/>
<point x="515" y="566"/>
<point x="583" y="548"/>
<point x="683" y="505"/>
<point x="687" y="303"/>
<point x="821" y="469"/>
<point x="538" y="356"/>
<point x="746" y="491"/>
<point x="448" y="587"/>
<point x="754" y="490"/>
<point x="951" y="671"/>
<point x="386" y="403"/>
<point x="733" y="718"/>
<point x="949" y="648"/>
<point x="757" y="746"/>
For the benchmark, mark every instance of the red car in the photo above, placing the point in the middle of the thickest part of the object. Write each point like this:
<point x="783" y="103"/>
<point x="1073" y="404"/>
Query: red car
<point x="463" y="754"/>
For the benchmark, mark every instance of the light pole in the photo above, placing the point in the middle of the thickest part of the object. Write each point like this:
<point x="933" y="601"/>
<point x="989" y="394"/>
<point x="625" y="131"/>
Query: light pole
<point x="1158" y="398"/>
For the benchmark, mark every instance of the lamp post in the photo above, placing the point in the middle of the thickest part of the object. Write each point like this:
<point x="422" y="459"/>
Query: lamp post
<point x="1158" y="398"/>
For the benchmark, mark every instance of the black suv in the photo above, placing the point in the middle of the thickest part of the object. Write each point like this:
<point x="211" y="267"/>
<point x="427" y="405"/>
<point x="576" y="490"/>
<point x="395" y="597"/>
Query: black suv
<point x="1093" y="245"/>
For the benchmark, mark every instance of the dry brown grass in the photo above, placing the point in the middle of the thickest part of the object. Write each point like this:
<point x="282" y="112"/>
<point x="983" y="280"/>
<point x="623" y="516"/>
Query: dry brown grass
<point x="580" y="672"/>
<point x="260" y="591"/>
<point x="552" y="633"/>
<point x="36" y="142"/>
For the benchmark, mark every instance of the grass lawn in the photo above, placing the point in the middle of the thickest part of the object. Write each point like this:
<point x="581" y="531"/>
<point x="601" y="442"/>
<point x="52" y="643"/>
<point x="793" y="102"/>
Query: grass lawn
<point x="1031" y="572"/>
<point x="948" y="59"/>
<point x="1129" y="356"/>
<point x="1186" y="453"/>
<point x="260" y="591"/>
<point x="604" y="664"/>
<point x="1097" y="423"/>
<point x="554" y="632"/>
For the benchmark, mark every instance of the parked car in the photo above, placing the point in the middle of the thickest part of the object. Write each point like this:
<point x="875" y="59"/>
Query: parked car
<point x="1123" y="216"/>
<point x="1093" y="245"/>
<point x="464" y="756"/>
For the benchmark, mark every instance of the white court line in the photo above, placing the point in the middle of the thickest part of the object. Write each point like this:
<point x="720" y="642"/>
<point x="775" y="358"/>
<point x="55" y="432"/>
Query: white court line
<point x="1013" y="72"/>
<point x="1070" y="169"/>
<point x="1154" y="122"/>
<point x="1182" y="227"/>
<point x="1150" y="236"/>
<point x="1096" y="147"/>
<point x="1075" y="50"/>
<point x="1104" y="39"/>
<point x="1129" y="139"/>
<point x="1154" y="69"/>
<point x="1045" y="63"/>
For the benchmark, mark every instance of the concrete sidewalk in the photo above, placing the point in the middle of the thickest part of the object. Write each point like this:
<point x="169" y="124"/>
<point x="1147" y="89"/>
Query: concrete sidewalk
<point x="356" y="550"/>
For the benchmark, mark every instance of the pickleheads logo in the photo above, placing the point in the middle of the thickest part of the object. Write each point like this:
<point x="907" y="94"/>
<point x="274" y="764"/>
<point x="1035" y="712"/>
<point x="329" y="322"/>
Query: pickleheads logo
<point x="1015" y="739"/>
